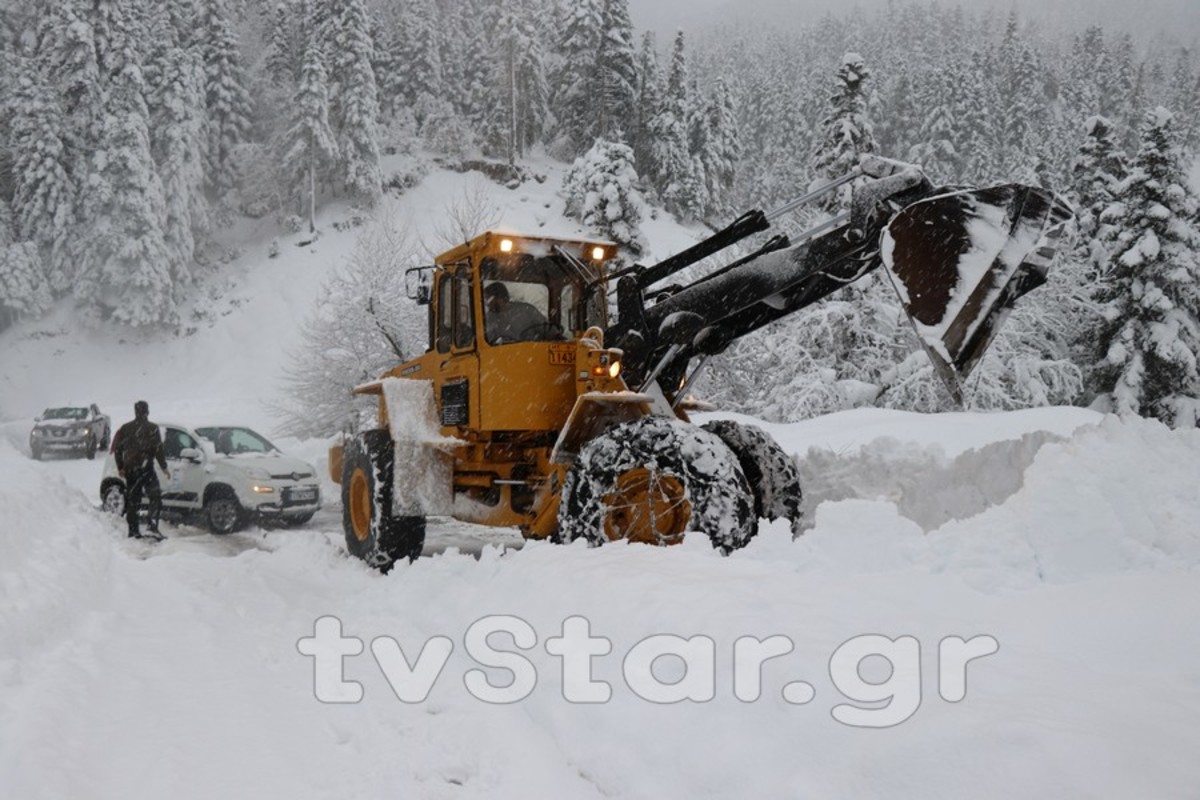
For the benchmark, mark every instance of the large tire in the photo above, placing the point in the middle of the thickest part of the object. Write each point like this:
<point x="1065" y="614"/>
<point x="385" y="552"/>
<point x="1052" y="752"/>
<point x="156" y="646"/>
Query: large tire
<point x="373" y="532"/>
<point x="223" y="512"/>
<point x="653" y="479"/>
<point x="773" y="476"/>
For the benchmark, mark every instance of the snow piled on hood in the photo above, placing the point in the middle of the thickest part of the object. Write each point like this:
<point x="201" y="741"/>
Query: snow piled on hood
<point x="131" y="670"/>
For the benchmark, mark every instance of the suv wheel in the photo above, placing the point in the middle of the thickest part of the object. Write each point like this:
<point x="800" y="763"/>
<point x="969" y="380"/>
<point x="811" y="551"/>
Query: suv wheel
<point x="224" y="513"/>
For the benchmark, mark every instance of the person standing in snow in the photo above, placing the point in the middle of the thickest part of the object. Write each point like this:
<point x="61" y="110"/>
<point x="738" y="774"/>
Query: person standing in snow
<point x="138" y="444"/>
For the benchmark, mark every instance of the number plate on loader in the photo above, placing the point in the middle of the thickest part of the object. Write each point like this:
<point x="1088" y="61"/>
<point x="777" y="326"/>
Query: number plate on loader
<point x="562" y="354"/>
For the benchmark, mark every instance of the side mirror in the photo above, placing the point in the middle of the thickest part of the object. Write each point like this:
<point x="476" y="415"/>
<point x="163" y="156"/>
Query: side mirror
<point x="418" y="284"/>
<point x="191" y="454"/>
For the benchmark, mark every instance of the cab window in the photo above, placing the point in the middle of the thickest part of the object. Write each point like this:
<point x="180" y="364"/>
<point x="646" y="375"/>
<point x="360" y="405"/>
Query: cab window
<point x="445" y="314"/>
<point x="464" y="322"/>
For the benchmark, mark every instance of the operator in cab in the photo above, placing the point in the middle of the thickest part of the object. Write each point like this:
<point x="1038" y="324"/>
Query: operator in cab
<point x="510" y="320"/>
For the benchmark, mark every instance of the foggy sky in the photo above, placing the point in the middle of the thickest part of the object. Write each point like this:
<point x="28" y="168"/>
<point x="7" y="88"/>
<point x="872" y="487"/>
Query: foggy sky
<point x="1177" y="20"/>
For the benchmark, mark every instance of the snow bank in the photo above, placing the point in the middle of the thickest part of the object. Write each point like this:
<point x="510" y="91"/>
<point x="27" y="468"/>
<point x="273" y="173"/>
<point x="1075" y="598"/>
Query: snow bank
<point x="1109" y="499"/>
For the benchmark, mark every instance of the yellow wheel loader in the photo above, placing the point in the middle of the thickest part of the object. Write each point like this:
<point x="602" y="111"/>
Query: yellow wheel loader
<point x="538" y="408"/>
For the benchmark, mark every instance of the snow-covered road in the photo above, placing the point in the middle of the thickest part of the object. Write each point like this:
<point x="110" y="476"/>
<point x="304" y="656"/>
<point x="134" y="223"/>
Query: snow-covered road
<point x="130" y="670"/>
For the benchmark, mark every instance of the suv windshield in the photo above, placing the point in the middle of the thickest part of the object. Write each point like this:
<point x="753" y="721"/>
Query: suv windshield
<point x="234" y="441"/>
<point x="65" y="413"/>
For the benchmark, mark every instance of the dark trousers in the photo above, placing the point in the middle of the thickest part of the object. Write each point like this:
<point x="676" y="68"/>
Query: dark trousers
<point x="142" y="480"/>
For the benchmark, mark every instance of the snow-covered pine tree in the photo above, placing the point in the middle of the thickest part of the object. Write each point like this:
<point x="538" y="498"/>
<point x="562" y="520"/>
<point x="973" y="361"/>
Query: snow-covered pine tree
<point x="43" y="192"/>
<point x="1184" y="94"/>
<point x="118" y="247"/>
<point x="1097" y="169"/>
<point x="285" y="42"/>
<point x="675" y="178"/>
<point x="649" y="98"/>
<point x="1149" y="340"/>
<point x="519" y="109"/>
<point x="175" y="103"/>
<point x="418" y="54"/>
<point x="981" y="146"/>
<point x="308" y="146"/>
<point x="575" y="84"/>
<point x="227" y="101"/>
<point x="722" y="150"/>
<point x="616" y="67"/>
<point x="470" y="79"/>
<point x="354" y="99"/>
<point x="847" y="132"/>
<point x="941" y="137"/>
<point x="901" y="118"/>
<point x="67" y="61"/>
<point x="389" y="78"/>
<point x="1122" y="96"/>
<point x="1088" y="62"/>
<point x="601" y="192"/>
<point x="24" y="290"/>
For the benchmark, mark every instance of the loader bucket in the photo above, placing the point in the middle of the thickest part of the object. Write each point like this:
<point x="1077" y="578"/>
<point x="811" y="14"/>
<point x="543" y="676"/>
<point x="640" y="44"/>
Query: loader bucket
<point x="960" y="260"/>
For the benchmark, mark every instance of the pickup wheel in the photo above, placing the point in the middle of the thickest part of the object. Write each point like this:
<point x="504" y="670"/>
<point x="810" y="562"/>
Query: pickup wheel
<point x="223" y="512"/>
<point x="106" y="439"/>
<point x="373" y="532"/>
<point x="90" y="451"/>
<point x="772" y="474"/>
<point x="36" y="452"/>
<point x="651" y="481"/>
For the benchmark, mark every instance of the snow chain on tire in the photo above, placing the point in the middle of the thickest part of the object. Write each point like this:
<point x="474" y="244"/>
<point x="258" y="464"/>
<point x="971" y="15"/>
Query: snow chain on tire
<point x="389" y="538"/>
<point x="695" y="468"/>
<point x="773" y="475"/>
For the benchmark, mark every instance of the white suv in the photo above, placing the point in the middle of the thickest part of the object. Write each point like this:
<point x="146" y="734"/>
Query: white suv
<point x="228" y="475"/>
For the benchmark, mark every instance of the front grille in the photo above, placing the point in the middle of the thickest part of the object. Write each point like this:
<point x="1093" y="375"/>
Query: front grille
<point x="292" y="476"/>
<point x="455" y="403"/>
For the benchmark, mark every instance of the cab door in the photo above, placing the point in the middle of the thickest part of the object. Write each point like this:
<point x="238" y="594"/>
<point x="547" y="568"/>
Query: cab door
<point x="185" y="487"/>
<point x="457" y="346"/>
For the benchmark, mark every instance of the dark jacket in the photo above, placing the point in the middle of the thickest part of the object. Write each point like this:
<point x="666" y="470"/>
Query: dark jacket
<point x="137" y="443"/>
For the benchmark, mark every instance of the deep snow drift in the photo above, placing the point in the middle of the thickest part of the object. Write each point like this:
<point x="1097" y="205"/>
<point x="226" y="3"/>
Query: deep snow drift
<point x="176" y="670"/>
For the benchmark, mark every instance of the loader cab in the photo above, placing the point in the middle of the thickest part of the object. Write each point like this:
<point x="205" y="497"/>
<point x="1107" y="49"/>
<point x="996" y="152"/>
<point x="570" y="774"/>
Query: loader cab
<point x="503" y="305"/>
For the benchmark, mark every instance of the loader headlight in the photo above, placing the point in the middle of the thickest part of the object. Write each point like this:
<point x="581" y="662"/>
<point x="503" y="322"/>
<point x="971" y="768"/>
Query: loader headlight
<point x="607" y="364"/>
<point x="506" y="245"/>
<point x="598" y="254"/>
